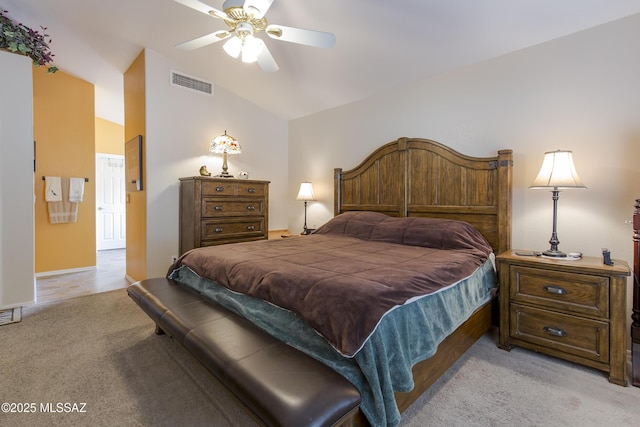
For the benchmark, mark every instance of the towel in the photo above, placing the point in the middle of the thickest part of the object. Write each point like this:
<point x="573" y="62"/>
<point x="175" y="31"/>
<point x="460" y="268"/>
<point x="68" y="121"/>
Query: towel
<point x="64" y="210"/>
<point x="76" y="189"/>
<point x="52" y="189"/>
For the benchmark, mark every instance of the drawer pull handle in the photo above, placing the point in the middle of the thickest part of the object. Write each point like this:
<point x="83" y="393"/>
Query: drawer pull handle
<point x="556" y="332"/>
<point x="219" y="208"/>
<point x="251" y="208"/>
<point x="218" y="229"/>
<point x="219" y="189"/>
<point x="251" y="190"/>
<point x="251" y="227"/>
<point x="555" y="290"/>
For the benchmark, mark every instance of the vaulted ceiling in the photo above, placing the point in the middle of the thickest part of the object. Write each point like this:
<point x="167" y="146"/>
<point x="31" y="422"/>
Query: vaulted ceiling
<point x="380" y="44"/>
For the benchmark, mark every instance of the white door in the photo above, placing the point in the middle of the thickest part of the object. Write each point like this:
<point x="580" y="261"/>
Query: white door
<point x="110" y="202"/>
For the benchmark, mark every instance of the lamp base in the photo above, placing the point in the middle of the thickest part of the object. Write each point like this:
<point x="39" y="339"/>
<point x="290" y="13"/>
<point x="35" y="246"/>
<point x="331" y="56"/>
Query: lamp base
<point x="554" y="254"/>
<point x="307" y="231"/>
<point x="224" y="175"/>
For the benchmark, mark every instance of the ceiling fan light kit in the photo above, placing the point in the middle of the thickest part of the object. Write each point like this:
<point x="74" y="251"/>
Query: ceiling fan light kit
<point x="245" y="19"/>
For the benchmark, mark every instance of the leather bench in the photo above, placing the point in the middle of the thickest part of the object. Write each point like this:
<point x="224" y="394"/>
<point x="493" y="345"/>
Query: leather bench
<point x="280" y="385"/>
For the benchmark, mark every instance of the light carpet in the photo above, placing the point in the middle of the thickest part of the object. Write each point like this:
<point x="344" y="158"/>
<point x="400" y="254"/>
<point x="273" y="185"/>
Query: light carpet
<point x="100" y="351"/>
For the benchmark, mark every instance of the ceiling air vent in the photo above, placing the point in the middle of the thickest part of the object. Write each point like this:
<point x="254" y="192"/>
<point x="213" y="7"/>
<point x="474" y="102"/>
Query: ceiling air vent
<point x="178" y="79"/>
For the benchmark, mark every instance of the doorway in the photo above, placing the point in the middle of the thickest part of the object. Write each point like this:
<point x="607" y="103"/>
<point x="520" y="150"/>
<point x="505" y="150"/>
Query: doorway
<point x="110" y="202"/>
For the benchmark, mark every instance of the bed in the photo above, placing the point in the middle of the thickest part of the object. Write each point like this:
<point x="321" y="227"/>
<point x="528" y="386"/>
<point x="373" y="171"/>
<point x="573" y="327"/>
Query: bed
<point x="412" y="202"/>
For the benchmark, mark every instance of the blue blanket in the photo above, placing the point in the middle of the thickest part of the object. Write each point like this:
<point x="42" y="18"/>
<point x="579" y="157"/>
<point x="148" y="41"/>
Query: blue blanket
<point x="405" y="336"/>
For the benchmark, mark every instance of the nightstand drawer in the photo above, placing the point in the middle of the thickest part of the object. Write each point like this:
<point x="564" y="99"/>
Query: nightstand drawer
<point x="570" y="292"/>
<point x="212" y="208"/>
<point x="568" y="334"/>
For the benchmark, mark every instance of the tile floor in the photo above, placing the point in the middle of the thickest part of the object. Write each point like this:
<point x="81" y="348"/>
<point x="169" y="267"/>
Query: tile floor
<point x="108" y="275"/>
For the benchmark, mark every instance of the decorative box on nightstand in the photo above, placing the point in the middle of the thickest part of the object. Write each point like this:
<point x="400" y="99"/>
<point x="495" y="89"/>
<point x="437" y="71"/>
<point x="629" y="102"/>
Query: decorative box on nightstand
<point x="572" y="309"/>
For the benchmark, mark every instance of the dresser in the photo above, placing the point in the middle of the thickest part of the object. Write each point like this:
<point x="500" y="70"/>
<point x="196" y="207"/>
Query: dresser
<point x="571" y="309"/>
<point x="215" y="211"/>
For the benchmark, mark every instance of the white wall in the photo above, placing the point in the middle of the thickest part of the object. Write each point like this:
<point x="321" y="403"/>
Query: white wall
<point x="580" y="92"/>
<point x="17" y="259"/>
<point x="180" y="125"/>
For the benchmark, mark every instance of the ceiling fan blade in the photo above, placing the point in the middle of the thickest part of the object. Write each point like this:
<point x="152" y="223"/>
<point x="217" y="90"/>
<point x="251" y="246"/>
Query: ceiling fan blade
<point x="257" y="7"/>
<point x="204" y="40"/>
<point x="298" y="35"/>
<point x="265" y="59"/>
<point x="204" y="8"/>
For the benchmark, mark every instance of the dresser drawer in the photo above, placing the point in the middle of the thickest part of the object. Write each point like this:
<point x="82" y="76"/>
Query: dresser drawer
<point x="218" y="188"/>
<point x="233" y="188"/>
<point x="212" y="208"/>
<point x="569" y="334"/>
<point x="570" y="292"/>
<point x="237" y="227"/>
<point x="248" y="189"/>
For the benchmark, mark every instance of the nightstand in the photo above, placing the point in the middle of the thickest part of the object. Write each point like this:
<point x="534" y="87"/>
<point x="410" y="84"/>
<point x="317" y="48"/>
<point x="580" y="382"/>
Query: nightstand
<point x="574" y="310"/>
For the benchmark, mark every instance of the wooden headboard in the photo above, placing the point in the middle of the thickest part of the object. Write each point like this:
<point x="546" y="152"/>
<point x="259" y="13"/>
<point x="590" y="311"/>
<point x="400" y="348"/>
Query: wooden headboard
<point x="420" y="177"/>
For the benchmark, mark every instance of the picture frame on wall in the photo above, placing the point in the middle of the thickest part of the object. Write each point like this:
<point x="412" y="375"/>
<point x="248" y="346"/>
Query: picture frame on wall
<point x="133" y="163"/>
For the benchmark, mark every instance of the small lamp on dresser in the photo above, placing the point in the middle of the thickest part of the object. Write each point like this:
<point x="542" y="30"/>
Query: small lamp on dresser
<point x="225" y="144"/>
<point x="557" y="173"/>
<point x="306" y="194"/>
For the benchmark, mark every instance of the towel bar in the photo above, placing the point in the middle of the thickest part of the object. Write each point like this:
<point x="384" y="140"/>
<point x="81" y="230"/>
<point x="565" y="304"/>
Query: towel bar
<point x="85" y="180"/>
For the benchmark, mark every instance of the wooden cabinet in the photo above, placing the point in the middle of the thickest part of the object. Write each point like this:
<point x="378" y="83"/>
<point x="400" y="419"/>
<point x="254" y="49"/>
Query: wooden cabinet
<point x="572" y="309"/>
<point x="215" y="211"/>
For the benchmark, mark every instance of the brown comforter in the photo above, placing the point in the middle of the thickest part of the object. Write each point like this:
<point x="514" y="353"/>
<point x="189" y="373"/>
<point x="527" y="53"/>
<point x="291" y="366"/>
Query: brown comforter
<point x="343" y="278"/>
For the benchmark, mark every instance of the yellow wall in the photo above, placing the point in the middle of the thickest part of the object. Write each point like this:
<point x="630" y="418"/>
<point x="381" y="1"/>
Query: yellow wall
<point x="109" y="137"/>
<point x="135" y="124"/>
<point x="64" y="131"/>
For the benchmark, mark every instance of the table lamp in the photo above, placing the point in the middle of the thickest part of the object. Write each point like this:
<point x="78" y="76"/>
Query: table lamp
<point x="557" y="172"/>
<point x="225" y="144"/>
<point x="306" y="193"/>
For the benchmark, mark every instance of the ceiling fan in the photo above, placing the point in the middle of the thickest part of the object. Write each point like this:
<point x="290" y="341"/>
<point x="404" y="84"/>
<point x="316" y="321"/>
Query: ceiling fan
<point x="245" y="18"/>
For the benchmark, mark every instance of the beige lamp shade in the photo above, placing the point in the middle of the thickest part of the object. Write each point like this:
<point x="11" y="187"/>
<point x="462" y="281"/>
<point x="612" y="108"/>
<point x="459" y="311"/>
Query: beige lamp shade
<point x="306" y="192"/>
<point x="558" y="171"/>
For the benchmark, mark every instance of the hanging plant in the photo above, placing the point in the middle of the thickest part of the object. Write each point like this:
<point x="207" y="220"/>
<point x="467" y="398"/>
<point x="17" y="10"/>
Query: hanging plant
<point x="18" y="38"/>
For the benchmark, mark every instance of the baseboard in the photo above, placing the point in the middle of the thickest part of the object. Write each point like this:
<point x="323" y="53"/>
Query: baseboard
<point x="59" y="272"/>
<point x="276" y="234"/>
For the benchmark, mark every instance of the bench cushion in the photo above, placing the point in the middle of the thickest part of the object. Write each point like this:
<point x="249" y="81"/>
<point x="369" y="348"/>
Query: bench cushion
<point x="279" y="384"/>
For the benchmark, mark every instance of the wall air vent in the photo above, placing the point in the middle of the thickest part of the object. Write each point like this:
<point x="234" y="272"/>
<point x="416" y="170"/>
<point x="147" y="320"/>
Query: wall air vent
<point x="179" y="79"/>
